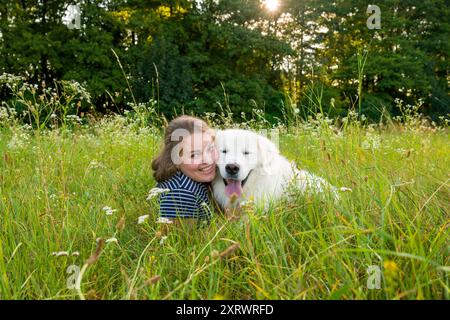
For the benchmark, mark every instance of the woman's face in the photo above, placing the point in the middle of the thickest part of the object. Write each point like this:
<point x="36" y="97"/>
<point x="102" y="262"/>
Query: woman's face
<point x="199" y="156"/>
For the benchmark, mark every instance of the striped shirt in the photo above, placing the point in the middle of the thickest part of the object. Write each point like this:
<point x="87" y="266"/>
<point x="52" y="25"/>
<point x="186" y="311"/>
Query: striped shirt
<point x="186" y="199"/>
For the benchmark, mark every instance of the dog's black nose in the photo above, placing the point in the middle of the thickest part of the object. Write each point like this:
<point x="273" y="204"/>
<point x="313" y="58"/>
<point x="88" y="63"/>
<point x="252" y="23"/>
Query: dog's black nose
<point x="232" y="168"/>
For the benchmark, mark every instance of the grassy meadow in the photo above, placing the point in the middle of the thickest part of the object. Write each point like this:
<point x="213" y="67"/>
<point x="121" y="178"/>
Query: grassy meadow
<point x="63" y="189"/>
<point x="78" y="219"/>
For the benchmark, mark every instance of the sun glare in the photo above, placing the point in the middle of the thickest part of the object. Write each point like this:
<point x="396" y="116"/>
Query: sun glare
<point x="272" y="5"/>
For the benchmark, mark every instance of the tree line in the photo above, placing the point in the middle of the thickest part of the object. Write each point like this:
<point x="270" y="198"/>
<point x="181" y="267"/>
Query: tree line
<point x="206" y="55"/>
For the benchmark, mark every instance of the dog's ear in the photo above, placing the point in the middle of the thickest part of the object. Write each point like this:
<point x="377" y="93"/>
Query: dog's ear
<point x="267" y="151"/>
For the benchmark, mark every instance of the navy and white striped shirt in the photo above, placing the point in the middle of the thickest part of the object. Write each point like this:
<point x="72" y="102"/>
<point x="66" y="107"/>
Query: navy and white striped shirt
<point x="186" y="199"/>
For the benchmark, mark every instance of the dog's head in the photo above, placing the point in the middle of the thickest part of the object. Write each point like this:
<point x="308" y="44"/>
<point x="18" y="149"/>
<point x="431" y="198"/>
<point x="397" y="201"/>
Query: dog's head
<point x="241" y="154"/>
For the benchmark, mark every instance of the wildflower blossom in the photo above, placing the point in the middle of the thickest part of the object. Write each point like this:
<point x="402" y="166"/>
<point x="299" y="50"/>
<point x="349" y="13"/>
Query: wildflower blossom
<point x="155" y="192"/>
<point x="108" y="210"/>
<point x="60" y="253"/>
<point x="142" y="219"/>
<point x="390" y="266"/>
<point x="74" y="118"/>
<point x="164" y="220"/>
<point x="26" y="127"/>
<point x="74" y="88"/>
<point x="111" y="240"/>
<point x="163" y="239"/>
<point x="18" y="141"/>
<point x="65" y="254"/>
<point x="372" y="141"/>
<point x="247" y="202"/>
<point x="94" y="164"/>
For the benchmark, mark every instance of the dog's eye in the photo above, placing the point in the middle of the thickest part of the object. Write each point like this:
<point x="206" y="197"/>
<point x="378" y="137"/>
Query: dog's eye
<point x="246" y="153"/>
<point x="224" y="151"/>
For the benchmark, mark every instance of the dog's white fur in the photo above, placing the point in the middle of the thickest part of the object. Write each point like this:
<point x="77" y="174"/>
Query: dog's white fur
<point x="269" y="173"/>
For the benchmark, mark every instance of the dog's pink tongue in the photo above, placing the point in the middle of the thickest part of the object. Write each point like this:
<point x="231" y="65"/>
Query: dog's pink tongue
<point x="233" y="187"/>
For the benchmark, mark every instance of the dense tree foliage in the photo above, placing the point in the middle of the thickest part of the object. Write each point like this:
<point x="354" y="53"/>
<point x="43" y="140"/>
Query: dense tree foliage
<point x="201" y="56"/>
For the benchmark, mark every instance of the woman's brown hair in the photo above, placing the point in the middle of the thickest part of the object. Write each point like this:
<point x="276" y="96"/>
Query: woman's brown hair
<point x="163" y="166"/>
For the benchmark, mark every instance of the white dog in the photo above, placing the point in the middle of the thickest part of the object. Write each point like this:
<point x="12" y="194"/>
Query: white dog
<point x="251" y="167"/>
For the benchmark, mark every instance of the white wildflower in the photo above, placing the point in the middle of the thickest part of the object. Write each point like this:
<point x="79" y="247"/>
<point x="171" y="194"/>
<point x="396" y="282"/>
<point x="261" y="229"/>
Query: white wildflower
<point x="74" y="88"/>
<point x="19" y="140"/>
<point x="345" y="189"/>
<point x="246" y="202"/>
<point x="108" y="210"/>
<point x="26" y="126"/>
<point x="60" y="253"/>
<point x="141" y="219"/>
<point x="373" y="141"/>
<point x="111" y="240"/>
<point x="163" y="239"/>
<point x="74" y="118"/>
<point x="155" y="192"/>
<point x="94" y="164"/>
<point x="164" y="220"/>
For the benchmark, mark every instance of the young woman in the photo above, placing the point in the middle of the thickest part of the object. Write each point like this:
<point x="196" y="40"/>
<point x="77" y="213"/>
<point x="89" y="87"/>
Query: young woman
<point x="186" y="166"/>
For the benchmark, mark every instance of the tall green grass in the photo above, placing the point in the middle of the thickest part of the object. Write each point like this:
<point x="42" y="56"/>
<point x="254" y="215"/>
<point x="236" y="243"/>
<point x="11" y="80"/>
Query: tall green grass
<point x="55" y="183"/>
<point x="66" y="182"/>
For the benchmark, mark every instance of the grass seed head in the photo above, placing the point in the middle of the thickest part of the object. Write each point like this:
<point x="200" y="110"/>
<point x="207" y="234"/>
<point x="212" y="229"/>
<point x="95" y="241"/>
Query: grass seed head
<point x="152" y="280"/>
<point x="229" y="251"/>
<point x="121" y="224"/>
<point x="98" y="250"/>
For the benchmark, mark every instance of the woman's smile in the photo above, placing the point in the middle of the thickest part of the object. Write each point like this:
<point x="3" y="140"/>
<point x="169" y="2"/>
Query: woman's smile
<point x="208" y="169"/>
